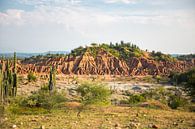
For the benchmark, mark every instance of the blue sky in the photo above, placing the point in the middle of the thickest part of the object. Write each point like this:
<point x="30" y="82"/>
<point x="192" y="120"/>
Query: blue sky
<point x="45" y="25"/>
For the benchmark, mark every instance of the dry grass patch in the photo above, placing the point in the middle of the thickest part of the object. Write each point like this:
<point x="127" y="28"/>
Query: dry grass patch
<point x="104" y="118"/>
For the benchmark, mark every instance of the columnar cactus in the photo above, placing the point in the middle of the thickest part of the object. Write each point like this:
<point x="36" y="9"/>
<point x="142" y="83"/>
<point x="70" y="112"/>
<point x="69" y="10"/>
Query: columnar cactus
<point x="1" y="81"/>
<point x="14" y="88"/>
<point x="7" y="78"/>
<point x="15" y="62"/>
<point x="52" y="78"/>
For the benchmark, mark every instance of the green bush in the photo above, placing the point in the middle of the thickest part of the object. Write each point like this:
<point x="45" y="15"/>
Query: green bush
<point x="31" y="77"/>
<point x="159" y="56"/>
<point x="43" y="99"/>
<point x="94" y="93"/>
<point x="136" y="98"/>
<point x="175" y="101"/>
<point x="161" y="94"/>
<point x="172" y="98"/>
<point x="186" y="79"/>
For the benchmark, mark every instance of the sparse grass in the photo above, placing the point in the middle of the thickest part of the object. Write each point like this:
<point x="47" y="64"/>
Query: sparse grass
<point x="103" y="117"/>
<point x="96" y="117"/>
<point x="145" y="79"/>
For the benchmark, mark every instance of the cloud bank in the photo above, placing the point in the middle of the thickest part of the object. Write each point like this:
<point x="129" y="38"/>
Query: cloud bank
<point x="86" y="21"/>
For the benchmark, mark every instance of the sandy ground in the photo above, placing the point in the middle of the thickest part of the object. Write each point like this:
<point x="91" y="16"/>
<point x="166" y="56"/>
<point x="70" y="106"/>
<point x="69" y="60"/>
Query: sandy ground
<point x="69" y="83"/>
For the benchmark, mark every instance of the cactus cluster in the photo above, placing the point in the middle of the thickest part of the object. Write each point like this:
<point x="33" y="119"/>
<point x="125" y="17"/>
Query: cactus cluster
<point x="8" y="78"/>
<point x="52" y="78"/>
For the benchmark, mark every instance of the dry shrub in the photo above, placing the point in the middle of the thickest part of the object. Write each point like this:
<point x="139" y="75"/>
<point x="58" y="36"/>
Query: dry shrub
<point x="72" y="105"/>
<point x="154" y="104"/>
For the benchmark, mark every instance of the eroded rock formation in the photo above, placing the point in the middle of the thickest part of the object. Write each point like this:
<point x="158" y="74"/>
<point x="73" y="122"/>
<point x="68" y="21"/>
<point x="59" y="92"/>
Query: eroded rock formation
<point x="103" y="63"/>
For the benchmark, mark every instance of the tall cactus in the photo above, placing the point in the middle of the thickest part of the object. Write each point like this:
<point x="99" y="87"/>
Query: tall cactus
<point x="14" y="88"/>
<point x="1" y="80"/>
<point x="52" y="78"/>
<point x="7" y="79"/>
<point x="15" y="62"/>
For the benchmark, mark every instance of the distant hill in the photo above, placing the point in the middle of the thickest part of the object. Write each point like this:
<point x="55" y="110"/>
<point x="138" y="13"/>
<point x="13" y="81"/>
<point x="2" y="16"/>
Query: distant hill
<point x="125" y="59"/>
<point x="122" y="51"/>
<point x="175" y="55"/>
<point x="186" y="57"/>
<point x="28" y="55"/>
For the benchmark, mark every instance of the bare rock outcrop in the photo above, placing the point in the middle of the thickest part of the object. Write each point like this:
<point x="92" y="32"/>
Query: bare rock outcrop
<point x="103" y="63"/>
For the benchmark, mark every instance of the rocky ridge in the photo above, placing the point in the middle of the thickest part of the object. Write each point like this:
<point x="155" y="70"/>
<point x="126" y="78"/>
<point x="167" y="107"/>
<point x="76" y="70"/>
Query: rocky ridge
<point x="104" y="63"/>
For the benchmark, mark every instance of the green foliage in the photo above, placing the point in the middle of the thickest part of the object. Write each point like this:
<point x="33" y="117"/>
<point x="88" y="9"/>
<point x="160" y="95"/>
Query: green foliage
<point x="94" y="93"/>
<point x="190" y="86"/>
<point x="126" y="50"/>
<point x="31" y="77"/>
<point x="40" y="58"/>
<point x="93" y="51"/>
<point x="122" y="50"/>
<point x="110" y="49"/>
<point x="159" y="56"/>
<point x="136" y="98"/>
<point x="186" y="57"/>
<point x="159" y="94"/>
<point x="175" y="101"/>
<point x="94" y="44"/>
<point x="78" y="51"/>
<point x="159" y="97"/>
<point x="174" y="76"/>
<point x="43" y="99"/>
<point x="187" y="79"/>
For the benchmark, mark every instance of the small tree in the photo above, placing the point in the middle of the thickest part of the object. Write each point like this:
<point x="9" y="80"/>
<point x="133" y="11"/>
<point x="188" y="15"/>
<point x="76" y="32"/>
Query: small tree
<point x="93" y="94"/>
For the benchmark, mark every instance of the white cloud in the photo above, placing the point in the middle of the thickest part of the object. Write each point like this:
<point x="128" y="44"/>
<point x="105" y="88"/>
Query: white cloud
<point x="70" y="21"/>
<point x="12" y="17"/>
<point x="80" y="17"/>
<point x="121" y="1"/>
<point x="71" y="14"/>
<point x="49" y="2"/>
